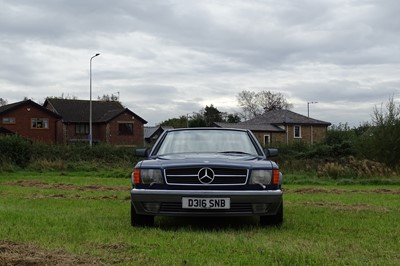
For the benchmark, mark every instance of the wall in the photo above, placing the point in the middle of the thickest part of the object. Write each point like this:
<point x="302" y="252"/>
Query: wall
<point x="136" y="139"/>
<point x="309" y="135"/>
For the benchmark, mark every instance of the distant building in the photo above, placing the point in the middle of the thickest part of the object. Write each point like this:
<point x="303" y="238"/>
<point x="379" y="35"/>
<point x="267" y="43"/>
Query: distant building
<point x="111" y="122"/>
<point x="29" y="120"/>
<point x="283" y="126"/>
<point x="151" y="134"/>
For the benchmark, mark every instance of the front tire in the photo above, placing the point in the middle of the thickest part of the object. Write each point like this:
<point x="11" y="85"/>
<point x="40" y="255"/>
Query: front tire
<point x="273" y="220"/>
<point x="141" y="220"/>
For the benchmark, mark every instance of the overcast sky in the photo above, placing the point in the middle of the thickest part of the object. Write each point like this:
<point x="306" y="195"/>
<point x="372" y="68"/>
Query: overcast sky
<point x="168" y="58"/>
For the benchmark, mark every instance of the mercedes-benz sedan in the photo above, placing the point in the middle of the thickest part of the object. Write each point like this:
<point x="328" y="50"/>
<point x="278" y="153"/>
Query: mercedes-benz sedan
<point x="206" y="172"/>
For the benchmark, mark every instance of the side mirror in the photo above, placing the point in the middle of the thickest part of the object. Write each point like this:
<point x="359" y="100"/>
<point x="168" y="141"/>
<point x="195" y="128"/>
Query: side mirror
<point x="142" y="152"/>
<point x="270" y="152"/>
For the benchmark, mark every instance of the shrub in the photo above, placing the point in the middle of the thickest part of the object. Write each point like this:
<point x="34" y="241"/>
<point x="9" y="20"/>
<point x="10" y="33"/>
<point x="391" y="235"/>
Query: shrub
<point x="15" y="150"/>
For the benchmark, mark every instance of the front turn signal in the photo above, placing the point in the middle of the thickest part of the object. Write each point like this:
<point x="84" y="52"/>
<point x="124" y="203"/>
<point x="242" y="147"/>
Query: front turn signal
<point x="136" y="176"/>
<point x="275" y="177"/>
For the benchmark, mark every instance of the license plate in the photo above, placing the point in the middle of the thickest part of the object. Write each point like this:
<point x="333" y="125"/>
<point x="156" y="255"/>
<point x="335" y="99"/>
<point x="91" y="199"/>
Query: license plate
<point x="206" y="203"/>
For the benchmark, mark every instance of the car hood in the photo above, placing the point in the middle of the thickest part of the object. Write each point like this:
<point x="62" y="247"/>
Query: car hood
<point x="208" y="159"/>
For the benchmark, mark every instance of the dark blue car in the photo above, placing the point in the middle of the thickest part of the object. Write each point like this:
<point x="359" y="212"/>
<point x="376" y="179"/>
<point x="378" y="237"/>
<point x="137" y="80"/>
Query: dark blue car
<point x="206" y="172"/>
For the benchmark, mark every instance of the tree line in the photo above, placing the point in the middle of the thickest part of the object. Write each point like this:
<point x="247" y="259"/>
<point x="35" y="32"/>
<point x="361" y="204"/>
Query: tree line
<point x="252" y="104"/>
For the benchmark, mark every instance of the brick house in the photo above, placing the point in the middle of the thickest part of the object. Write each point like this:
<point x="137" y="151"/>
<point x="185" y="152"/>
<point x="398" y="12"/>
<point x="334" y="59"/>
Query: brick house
<point x="283" y="126"/>
<point x="111" y="122"/>
<point x="30" y="120"/>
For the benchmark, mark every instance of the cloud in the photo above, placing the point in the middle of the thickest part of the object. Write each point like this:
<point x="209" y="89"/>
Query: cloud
<point x="171" y="58"/>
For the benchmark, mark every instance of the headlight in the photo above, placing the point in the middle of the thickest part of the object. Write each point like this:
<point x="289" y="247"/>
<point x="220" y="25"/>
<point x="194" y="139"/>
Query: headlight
<point x="261" y="177"/>
<point x="148" y="176"/>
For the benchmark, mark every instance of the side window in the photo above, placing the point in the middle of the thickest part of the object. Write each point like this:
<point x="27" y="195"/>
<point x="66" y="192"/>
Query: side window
<point x="82" y="129"/>
<point x="8" y="120"/>
<point x="125" y="129"/>
<point x="267" y="140"/>
<point x="39" y="123"/>
<point x="297" y="131"/>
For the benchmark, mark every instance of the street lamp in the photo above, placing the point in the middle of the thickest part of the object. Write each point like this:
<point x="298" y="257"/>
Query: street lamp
<point x="308" y="108"/>
<point x="90" y="104"/>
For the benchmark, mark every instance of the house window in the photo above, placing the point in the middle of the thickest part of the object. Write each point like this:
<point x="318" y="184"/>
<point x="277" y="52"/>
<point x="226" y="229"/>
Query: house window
<point x="266" y="140"/>
<point x="297" y="131"/>
<point x="125" y="129"/>
<point x="82" y="129"/>
<point x="39" y="123"/>
<point x="8" y="120"/>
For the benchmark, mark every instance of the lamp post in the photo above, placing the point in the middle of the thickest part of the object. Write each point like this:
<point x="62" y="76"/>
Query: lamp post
<point x="90" y="104"/>
<point x="308" y="108"/>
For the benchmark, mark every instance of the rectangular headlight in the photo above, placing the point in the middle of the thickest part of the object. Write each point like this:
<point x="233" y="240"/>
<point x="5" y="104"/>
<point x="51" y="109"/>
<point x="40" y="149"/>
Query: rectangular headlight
<point x="149" y="176"/>
<point x="261" y="177"/>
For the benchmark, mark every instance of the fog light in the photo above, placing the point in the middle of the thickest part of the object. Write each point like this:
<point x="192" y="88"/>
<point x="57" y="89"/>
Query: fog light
<point x="260" y="207"/>
<point x="151" y="206"/>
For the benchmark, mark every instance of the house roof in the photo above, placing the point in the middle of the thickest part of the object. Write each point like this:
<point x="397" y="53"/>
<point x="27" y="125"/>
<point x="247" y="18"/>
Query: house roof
<point x="77" y="111"/>
<point x="16" y="105"/>
<point x="282" y="117"/>
<point x="6" y="131"/>
<point x="8" y="107"/>
<point x="252" y="127"/>
<point x="270" y="121"/>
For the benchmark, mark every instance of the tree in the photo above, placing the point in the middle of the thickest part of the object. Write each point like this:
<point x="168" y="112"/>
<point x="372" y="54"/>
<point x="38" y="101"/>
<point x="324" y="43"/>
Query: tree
<point x="382" y="141"/>
<point x="256" y="103"/>
<point x="273" y="101"/>
<point x="63" y="96"/>
<point x="211" y="115"/>
<point x="248" y="102"/>
<point x="233" y="118"/>
<point x="204" y="118"/>
<point x="176" y="122"/>
<point x="197" y="120"/>
<point x="3" y="102"/>
<point x="108" y="98"/>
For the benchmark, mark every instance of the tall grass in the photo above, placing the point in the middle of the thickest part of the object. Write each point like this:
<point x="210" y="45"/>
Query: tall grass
<point x="330" y="159"/>
<point x="354" y="227"/>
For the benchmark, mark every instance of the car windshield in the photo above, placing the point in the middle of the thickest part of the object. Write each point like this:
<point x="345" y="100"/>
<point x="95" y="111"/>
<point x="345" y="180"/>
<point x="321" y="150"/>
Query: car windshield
<point x="207" y="141"/>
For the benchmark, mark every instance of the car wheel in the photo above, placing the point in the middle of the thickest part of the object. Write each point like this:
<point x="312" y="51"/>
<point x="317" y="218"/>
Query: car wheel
<point x="274" y="220"/>
<point x="141" y="220"/>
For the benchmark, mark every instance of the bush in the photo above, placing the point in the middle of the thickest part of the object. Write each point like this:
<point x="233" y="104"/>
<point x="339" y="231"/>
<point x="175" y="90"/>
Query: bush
<point x="15" y="150"/>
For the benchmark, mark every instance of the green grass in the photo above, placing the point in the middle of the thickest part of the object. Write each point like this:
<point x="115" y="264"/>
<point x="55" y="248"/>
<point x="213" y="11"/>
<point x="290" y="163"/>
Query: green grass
<point x="87" y="215"/>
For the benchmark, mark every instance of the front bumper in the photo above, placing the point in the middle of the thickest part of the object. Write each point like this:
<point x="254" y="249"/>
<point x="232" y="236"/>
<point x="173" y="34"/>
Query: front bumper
<point x="169" y="202"/>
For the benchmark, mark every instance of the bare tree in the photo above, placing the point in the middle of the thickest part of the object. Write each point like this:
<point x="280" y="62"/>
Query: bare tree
<point x="248" y="102"/>
<point x="256" y="103"/>
<point x="270" y="101"/>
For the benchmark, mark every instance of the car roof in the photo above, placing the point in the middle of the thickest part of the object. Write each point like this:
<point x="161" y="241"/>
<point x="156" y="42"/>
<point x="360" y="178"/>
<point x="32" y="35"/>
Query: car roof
<point x="207" y="128"/>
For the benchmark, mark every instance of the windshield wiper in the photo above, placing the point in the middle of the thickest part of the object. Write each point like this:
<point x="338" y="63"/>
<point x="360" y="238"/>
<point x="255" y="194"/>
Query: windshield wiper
<point x="236" y="152"/>
<point x="240" y="153"/>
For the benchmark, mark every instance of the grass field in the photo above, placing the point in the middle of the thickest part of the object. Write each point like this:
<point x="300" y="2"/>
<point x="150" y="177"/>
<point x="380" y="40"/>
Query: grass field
<point x="72" y="219"/>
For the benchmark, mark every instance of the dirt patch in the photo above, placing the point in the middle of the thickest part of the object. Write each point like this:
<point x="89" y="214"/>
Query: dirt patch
<point x="341" y="191"/>
<point x="115" y="253"/>
<point x="343" y="207"/>
<point x="76" y="196"/>
<point x="13" y="253"/>
<point x="62" y="186"/>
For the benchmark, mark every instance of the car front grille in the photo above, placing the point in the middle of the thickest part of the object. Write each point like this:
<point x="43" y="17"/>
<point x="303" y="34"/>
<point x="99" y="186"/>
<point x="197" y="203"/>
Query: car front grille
<point x="215" y="176"/>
